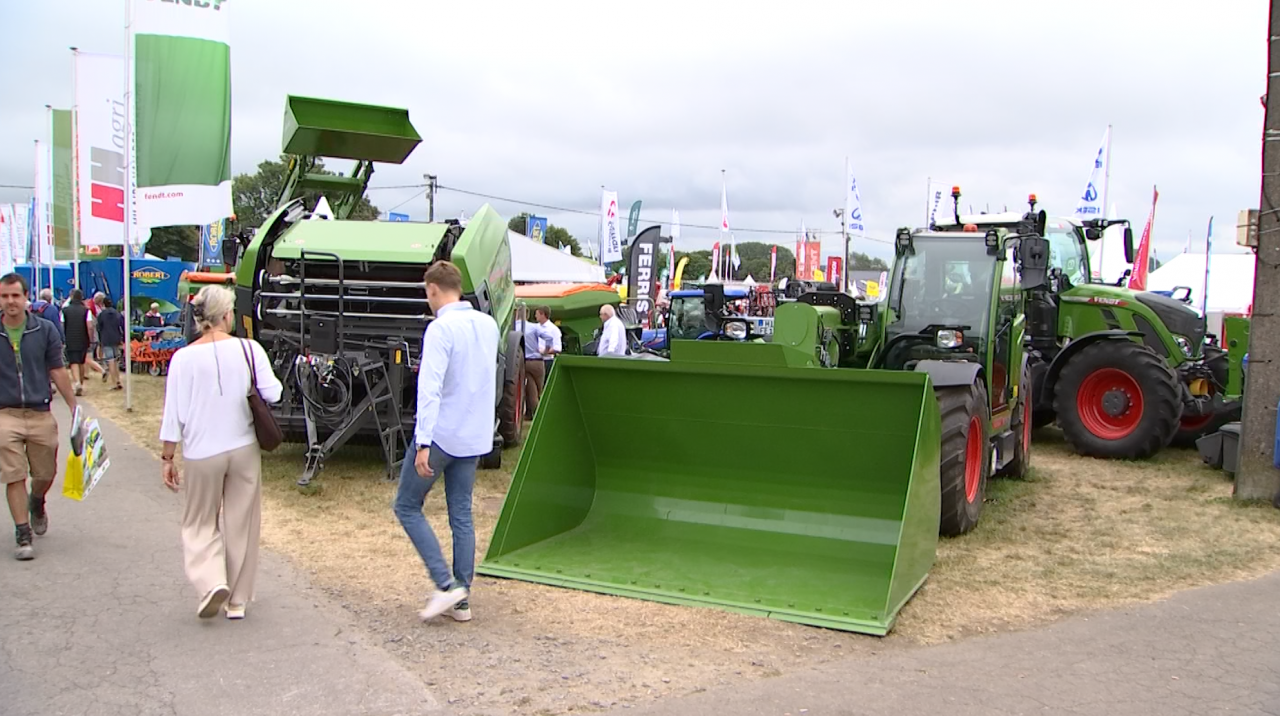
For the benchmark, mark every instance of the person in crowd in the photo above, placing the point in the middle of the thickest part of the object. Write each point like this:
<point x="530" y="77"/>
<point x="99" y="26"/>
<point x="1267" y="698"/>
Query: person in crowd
<point x="111" y="339"/>
<point x="453" y="428"/>
<point x="541" y="342"/>
<point x="206" y="410"/>
<point x="95" y="349"/>
<point x="613" y="336"/>
<point x="552" y="340"/>
<point x="30" y="358"/>
<point x="76" y="331"/>
<point x="45" y="308"/>
<point x="152" y="318"/>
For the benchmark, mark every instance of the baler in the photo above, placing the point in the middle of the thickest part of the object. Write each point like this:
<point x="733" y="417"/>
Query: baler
<point x="340" y="305"/>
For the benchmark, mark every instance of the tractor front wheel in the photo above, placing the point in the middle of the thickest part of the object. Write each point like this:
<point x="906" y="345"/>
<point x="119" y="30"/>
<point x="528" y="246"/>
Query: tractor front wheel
<point x="966" y="456"/>
<point x="1117" y="400"/>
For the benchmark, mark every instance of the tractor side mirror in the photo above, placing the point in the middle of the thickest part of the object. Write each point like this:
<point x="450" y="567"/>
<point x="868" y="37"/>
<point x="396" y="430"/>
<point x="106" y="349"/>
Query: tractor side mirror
<point x="231" y="250"/>
<point x="1033" y="253"/>
<point x="1042" y="222"/>
<point x="1093" y="233"/>
<point x="1128" y="245"/>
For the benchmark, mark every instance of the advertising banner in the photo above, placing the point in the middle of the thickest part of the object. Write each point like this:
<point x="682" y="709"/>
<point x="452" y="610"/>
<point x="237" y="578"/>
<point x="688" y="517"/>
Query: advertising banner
<point x="537" y="228"/>
<point x="642" y="274"/>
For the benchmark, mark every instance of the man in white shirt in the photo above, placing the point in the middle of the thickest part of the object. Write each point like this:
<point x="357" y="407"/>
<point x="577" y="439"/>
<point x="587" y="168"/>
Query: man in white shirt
<point x="454" y="427"/>
<point x="541" y="343"/>
<point x="613" y="337"/>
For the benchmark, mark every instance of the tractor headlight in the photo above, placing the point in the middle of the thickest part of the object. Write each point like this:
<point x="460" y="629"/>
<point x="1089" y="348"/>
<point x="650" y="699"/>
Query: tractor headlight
<point x="950" y="338"/>
<point x="1184" y="344"/>
<point x="737" y="330"/>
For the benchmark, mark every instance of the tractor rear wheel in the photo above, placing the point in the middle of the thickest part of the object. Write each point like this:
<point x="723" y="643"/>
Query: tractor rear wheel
<point x="1023" y="421"/>
<point x="966" y="456"/>
<point x="1117" y="399"/>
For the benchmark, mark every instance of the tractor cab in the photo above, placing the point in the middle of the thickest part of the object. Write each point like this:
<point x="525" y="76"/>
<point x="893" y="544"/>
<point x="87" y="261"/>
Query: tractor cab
<point x="713" y="312"/>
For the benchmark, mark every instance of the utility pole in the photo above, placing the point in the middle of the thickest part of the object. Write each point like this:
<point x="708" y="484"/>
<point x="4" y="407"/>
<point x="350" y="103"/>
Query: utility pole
<point x="1257" y="477"/>
<point x="431" y="196"/>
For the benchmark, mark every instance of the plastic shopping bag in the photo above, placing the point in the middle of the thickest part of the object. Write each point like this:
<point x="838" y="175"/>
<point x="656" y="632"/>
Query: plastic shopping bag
<point x="87" y="461"/>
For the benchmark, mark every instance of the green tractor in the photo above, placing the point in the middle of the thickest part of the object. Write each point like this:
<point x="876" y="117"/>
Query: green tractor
<point x="805" y="479"/>
<point x="1123" y="373"/>
<point x="340" y="304"/>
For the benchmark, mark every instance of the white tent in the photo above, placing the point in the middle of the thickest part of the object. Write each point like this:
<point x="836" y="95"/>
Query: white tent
<point x="1230" y="282"/>
<point x="532" y="262"/>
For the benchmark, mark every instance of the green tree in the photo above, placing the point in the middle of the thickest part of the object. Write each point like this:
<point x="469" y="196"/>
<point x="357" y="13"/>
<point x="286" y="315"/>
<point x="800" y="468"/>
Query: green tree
<point x="699" y="265"/>
<point x="755" y="257"/>
<point x="254" y="196"/>
<point x="859" y="261"/>
<point x="180" y="241"/>
<point x="557" y="236"/>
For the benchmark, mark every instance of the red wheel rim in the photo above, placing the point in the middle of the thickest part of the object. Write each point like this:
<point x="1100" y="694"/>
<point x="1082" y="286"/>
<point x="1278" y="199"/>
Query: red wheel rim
<point x="973" y="460"/>
<point x="1110" y="403"/>
<point x="1026" y="420"/>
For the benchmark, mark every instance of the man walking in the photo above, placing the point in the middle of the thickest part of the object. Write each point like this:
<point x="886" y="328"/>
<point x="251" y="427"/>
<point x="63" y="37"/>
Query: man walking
<point x="111" y="338"/>
<point x="29" y="359"/>
<point x="457" y="395"/>
<point x="45" y="308"/>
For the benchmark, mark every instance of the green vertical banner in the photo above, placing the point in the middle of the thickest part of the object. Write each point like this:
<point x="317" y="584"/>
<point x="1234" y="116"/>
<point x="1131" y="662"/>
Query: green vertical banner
<point x="633" y="221"/>
<point x="181" y="106"/>
<point x="63" y="185"/>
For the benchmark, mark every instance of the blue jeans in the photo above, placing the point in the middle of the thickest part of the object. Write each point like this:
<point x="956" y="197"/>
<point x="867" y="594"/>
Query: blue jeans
<point x="459" y="480"/>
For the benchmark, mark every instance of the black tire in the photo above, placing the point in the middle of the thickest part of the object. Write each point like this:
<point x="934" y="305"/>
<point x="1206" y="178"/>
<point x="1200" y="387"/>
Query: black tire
<point x="963" y="409"/>
<point x="510" y="410"/>
<point x="492" y="461"/>
<point x="1191" y="430"/>
<point x="1042" y="418"/>
<point x="1124" y="371"/>
<point x="1020" y="465"/>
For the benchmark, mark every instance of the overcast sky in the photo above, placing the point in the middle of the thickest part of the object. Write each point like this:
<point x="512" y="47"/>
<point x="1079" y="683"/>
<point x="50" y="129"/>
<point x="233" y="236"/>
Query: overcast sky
<point x="545" y="102"/>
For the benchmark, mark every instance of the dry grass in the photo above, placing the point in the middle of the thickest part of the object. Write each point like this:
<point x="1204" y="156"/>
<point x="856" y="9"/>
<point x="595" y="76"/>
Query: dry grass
<point x="1078" y="534"/>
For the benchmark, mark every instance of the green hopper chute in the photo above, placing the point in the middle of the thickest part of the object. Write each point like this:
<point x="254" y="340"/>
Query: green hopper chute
<point x="803" y="494"/>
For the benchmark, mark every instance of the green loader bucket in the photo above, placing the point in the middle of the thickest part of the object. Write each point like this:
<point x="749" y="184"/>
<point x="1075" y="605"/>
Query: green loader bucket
<point x="345" y="130"/>
<point x="802" y="494"/>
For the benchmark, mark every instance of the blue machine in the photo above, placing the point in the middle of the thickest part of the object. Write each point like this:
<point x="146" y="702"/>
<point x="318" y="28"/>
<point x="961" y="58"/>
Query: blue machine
<point x="688" y="317"/>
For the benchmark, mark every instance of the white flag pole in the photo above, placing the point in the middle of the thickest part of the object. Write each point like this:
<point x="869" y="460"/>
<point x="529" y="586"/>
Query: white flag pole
<point x="75" y="169"/>
<point x="37" y="246"/>
<point x="1106" y="172"/>
<point x="130" y="185"/>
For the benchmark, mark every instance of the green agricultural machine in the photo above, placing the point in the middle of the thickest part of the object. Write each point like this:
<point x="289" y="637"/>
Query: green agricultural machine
<point x="575" y="308"/>
<point x="340" y="305"/>
<point x="804" y="479"/>
<point x="1124" y="373"/>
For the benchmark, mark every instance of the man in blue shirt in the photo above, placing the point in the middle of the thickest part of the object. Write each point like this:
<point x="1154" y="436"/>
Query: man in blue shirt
<point x="457" y="397"/>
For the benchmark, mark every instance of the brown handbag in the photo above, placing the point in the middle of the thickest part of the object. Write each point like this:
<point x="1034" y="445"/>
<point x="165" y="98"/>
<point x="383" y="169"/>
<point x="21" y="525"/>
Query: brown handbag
<point x="264" y="423"/>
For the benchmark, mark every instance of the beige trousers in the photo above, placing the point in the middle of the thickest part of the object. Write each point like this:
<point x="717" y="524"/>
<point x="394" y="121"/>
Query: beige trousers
<point x="223" y="551"/>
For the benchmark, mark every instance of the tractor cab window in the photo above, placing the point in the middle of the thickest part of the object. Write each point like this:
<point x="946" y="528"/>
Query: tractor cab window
<point x="688" y="318"/>
<point x="946" y="282"/>
<point x="1067" y="253"/>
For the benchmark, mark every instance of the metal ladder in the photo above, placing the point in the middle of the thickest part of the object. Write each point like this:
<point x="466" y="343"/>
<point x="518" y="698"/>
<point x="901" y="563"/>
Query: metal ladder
<point x="384" y="404"/>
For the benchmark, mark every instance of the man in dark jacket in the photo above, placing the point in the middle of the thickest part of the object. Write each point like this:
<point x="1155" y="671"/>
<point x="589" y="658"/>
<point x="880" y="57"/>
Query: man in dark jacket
<point x="30" y="356"/>
<point x="111" y="338"/>
<point x="76" y="333"/>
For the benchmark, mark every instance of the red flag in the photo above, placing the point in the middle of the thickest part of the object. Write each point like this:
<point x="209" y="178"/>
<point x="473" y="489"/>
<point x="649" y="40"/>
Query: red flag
<point x="773" y="263"/>
<point x="1138" y="276"/>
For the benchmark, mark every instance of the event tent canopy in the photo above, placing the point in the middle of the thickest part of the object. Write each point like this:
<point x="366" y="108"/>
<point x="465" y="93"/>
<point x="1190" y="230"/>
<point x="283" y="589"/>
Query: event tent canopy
<point x="532" y="262"/>
<point x="1230" y="280"/>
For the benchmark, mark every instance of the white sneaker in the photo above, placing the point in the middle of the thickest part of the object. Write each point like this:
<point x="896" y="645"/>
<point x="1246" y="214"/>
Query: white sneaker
<point x="441" y="602"/>
<point x="213" y="601"/>
<point x="460" y="612"/>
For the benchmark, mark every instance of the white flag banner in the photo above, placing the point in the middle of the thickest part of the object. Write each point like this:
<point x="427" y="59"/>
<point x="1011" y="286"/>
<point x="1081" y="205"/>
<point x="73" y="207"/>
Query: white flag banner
<point x="6" y="239"/>
<point x="21" y="240"/>
<point x="180" y="110"/>
<point x="675" y="225"/>
<point x="940" y="209"/>
<point x="724" y="208"/>
<point x="101" y="148"/>
<point x="733" y="246"/>
<point x="610" y="238"/>
<point x="1090" y="206"/>
<point x="852" y="202"/>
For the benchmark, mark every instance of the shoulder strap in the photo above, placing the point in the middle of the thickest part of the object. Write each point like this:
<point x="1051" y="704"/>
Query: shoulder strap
<point x="253" y="367"/>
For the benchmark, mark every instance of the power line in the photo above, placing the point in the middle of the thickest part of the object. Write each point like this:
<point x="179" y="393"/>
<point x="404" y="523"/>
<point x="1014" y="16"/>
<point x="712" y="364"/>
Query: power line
<point x="588" y="212"/>
<point x="15" y="186"/>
